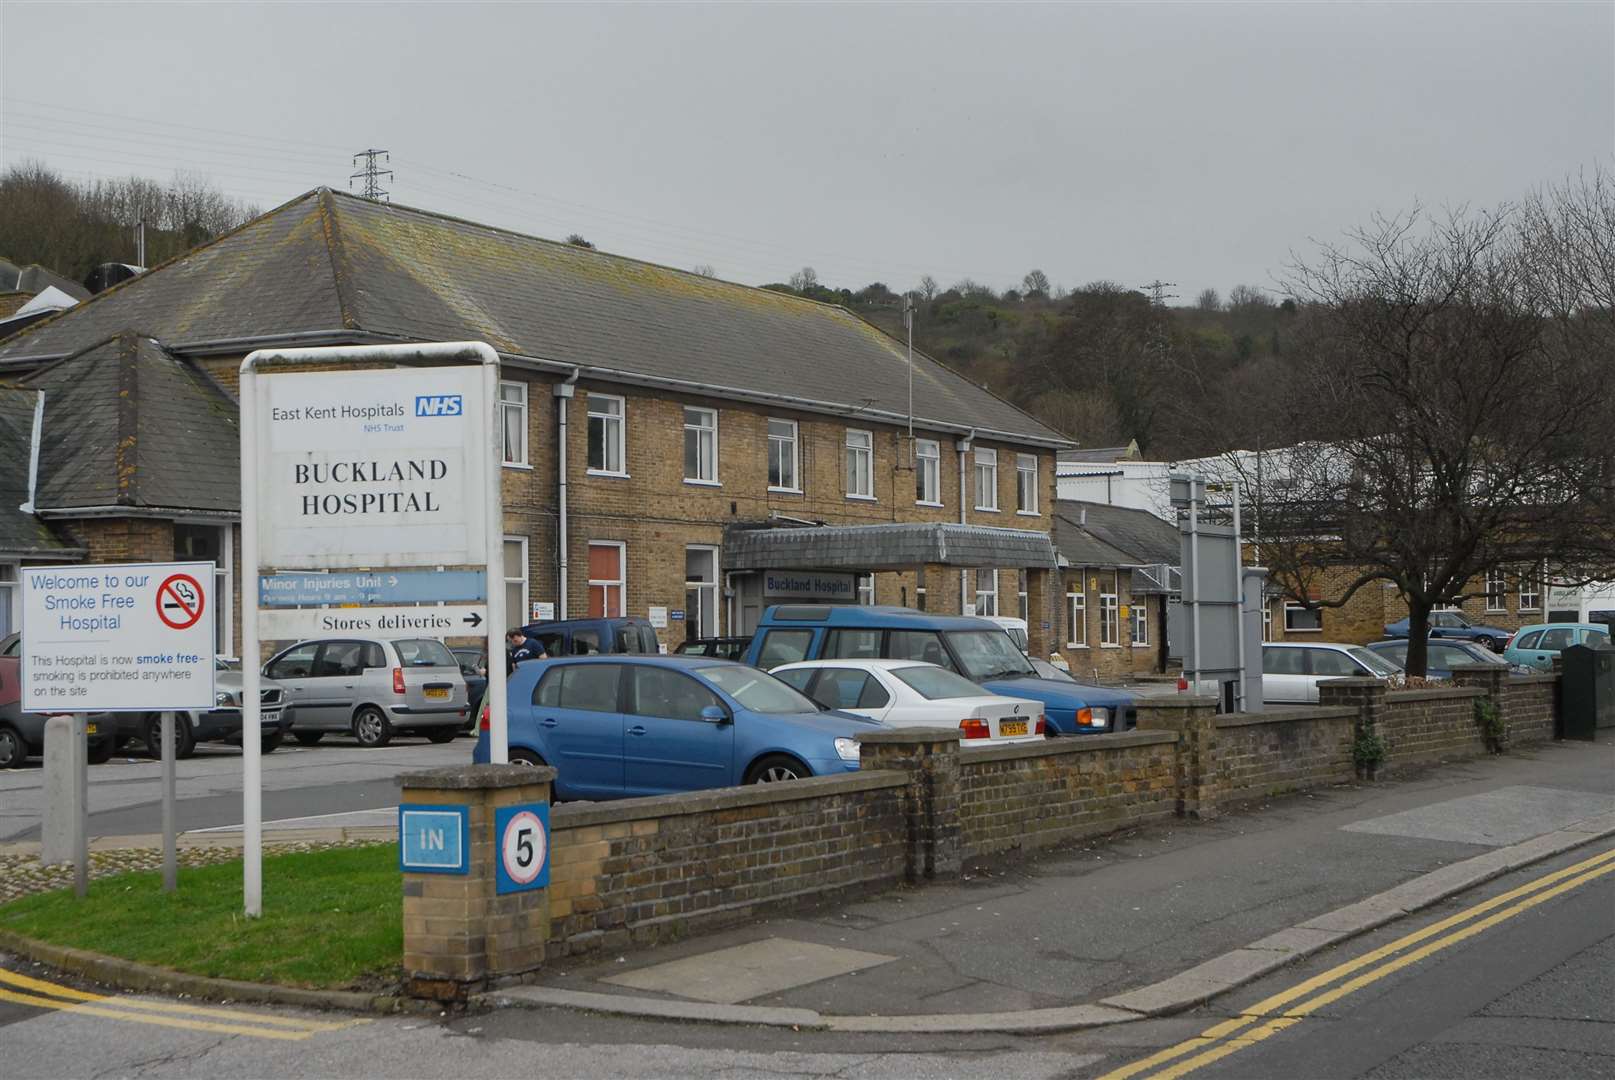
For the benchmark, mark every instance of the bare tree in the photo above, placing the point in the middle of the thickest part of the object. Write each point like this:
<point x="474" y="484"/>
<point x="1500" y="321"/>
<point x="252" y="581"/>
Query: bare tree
<point x="705" y="270"/>
<point x="1248" y="298"/>
<point x="805" y="279"/>
<point x="1451" y="385"/>
<point x="1209" y="300"/>
<point x="929" y="288"/>
<point x="577" y="240"/>
<point x="1036" y="283"/>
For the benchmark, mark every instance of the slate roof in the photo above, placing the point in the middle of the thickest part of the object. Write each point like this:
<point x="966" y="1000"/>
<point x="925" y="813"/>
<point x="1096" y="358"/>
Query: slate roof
<point x="1100" y="455"/>
<point x="333" y="262"/>
<point x="128" y="424"/>
<point x="22" y="533"/>
<point x="35" y="279"/>
<point x="883" y="547"/>
<point x="1098" y="534"/>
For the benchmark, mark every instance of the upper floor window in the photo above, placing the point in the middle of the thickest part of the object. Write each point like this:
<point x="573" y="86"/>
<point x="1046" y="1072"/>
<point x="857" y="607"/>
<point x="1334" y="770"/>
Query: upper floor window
<point x="606" y="434"/>
<point x="1026" y="483"/>
<point x="927" y="472"/>
<point x="986" y="479"/>
<point x="513" y="421"/>
<point x="860" y="464"/>
<point x="783" y="458"/>
<point x="701" y="445"/>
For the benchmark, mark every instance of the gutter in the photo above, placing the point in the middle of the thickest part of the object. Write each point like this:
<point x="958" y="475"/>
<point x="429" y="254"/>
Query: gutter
<point x="166" y="513"/>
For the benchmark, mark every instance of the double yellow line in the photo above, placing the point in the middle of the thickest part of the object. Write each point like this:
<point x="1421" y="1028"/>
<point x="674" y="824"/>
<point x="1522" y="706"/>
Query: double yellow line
<point x="1285" y="1009"/>
<point x="18" y="989"/>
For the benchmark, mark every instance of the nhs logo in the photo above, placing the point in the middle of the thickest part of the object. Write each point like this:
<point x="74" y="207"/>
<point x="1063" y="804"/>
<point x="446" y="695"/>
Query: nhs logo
<point x="438" y="405"/>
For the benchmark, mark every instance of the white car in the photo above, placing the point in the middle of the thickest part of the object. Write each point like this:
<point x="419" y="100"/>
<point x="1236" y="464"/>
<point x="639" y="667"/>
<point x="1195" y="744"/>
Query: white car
<point x="911" y="693"/>
<point x="1291" y="672"/>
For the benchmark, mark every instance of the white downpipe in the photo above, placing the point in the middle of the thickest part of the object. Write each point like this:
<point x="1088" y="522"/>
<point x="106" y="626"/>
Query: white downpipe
<point x="563" y="396"/>
<point x="1194" y="570"/>
<point x="1239" y="626"/>
<point x="251" y="682"/>
<point x="963" y="446"/>
<point x="33" y="453"/>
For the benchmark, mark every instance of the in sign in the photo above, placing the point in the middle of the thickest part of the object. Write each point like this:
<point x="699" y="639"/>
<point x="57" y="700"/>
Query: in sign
<point x="522" y="841"/>
<point x="432" y="839"/>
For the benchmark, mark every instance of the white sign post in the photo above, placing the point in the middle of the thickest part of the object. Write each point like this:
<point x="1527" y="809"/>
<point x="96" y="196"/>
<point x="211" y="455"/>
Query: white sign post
<point x="393" y="466"/>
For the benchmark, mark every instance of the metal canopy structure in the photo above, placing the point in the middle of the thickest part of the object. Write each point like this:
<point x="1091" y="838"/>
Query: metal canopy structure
<point x="884" y="547"/>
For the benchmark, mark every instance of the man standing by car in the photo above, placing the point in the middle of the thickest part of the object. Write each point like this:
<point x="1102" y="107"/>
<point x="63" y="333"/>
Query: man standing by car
<point x="521" y="647"/>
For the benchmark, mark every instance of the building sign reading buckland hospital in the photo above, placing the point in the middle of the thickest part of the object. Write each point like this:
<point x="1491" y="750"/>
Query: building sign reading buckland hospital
<point x="372" y="468"/>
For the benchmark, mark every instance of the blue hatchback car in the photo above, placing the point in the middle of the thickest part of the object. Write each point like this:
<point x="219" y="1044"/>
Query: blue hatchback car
<point x="620" y="726"/>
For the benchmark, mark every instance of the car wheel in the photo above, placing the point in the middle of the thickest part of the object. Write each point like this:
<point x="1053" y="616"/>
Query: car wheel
<point x="100" y="753"/>
<point x="441" y="735"/>
<point x="526" y="758"/>
<point x="184" y="741"/>
<point x="371" y="728"/>
<point x="308" y="738"/>
<point x="13" y="751"/>
<point x="776" y="768"/>
<point x="269" y="743"/>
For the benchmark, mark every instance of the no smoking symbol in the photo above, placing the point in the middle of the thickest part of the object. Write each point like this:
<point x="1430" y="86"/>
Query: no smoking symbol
<point x="179" y="601"/>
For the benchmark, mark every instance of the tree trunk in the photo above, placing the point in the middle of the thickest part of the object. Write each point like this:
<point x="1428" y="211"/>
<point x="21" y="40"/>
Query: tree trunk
<point x="1418" y="637"/>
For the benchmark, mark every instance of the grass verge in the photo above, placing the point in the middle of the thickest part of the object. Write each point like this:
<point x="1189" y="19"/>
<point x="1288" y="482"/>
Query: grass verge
<point x="332" y="919"/>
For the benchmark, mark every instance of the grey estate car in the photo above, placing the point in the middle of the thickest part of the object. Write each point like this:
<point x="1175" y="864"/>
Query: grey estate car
<point x="372" y="689"/>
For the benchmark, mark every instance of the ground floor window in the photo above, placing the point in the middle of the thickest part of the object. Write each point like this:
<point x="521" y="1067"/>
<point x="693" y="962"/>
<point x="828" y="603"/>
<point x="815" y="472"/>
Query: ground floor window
<point x="608" y="578"/>
<point x="1299" y="618"/>
<point x="1267" y="621"/>
<point x="1140" y="616"/>
<point x="866" y="589"/>
<point x="1530" y="590"/>
<point x="214" y="544"/>
<point x="516" y="612"/>
<point x="700" y="591"/>
<point x="9" y="615"/>
<point x="1020" y="588"/>
<point x="987" y="592"/>
<point x="1077" y="610"/>
<point x="1110" y="613"/>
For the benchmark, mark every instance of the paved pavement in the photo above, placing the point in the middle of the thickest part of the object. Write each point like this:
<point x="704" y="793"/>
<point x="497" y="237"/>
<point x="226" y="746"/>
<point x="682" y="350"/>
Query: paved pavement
<point x="335" y="777"/>
<point x="1106" y="917"/>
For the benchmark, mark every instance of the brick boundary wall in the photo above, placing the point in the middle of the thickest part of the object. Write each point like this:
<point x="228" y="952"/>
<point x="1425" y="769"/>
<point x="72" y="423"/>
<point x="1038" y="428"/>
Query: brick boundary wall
<point x="639" y="871"/>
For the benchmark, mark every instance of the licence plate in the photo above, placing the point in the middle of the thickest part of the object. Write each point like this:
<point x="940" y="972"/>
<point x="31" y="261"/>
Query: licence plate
<point x="1012" y="727"/>
<point x="437" y="693"/>
<point x="90" y="729"/>
<point x="268" y="716"/>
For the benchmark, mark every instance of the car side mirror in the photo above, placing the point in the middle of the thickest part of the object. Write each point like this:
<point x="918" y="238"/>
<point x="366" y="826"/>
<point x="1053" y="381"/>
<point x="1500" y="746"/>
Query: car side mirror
<point x="714" y="714"/>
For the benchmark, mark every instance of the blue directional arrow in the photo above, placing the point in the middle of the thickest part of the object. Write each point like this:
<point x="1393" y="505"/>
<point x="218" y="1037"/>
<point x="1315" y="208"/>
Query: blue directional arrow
<point x="382" y="587"/>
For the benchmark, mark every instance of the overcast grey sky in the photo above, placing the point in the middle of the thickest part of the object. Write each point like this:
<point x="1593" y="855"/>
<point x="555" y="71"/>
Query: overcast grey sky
<point x="1198" y="143"/>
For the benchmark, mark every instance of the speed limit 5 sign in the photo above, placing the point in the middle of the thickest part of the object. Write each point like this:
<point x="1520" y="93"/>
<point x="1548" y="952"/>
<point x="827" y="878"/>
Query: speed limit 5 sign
<point x="521" y="841"/>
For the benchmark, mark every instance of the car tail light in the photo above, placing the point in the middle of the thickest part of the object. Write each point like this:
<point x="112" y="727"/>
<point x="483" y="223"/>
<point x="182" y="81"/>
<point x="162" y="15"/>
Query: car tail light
<point x="398" y="680"/>
<point x="975" y="729"/>
<point x="1183" y="684"/>
<point x="1042" y="726"/>
<point x="486" y="723"/>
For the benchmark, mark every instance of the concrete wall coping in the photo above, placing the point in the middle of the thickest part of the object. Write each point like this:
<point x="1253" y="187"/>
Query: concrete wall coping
<point x="476" y="777"/>
<point x="1434" y="694"/>
<point x="1282" y="716"/>
<point x="1530" y="680"/>
<point x="1355" y="680"/>
<point x="578" y="814"/>
<point x="1072" y="744"/>
<point x="1178" y="701"/>
<point x="910" y="735"/>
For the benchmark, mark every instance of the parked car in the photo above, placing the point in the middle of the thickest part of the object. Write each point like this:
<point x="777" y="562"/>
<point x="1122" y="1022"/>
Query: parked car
<point x="371" y="689"/>
<point x="222" y="723"/>
<point x="1291" y="672"/>
<point x="1045" y="670"/>
<point x="617" y="726"/>
<point x="1536" y="645"/>
<point x="975" y="648"/>
<point x="1015" y="628"/>
<point x="724" y="648"/>
<point x="1442" y="657"/>
<point x="473" y="663"/>
<point x="1452" y="624"/>
<point x="587" y="637"/>
<point x="909" y="693"/>
<point x="23" y="734"/>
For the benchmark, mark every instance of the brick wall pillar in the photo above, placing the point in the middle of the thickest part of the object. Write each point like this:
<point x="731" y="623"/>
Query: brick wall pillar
<point x="930" y="757"/>
<point x="1041" y="609"/>
<point x="460" y="935"/>
<point x="1367" y="696"/>
<point x="1199" y="771"/>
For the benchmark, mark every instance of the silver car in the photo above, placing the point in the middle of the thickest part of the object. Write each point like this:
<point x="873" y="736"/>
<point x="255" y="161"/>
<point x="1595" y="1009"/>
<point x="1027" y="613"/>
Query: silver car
<point x="371" y="689"/>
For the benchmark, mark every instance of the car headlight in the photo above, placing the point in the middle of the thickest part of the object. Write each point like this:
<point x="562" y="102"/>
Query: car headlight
<point x="223" y="699"/>
<point x="1093" y="718"/>
<point x="847" y="749"/>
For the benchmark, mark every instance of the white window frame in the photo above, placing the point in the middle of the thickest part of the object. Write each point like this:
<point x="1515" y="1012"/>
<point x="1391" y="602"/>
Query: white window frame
<point x="518" y="405"/>
<point x="795" y="442"/>
<point x="1110" y="613"/>
<point x="1267" y="620"/>
<point x="523" y="615"/>
<point x="620" y="583"/>
<point x="860" y="464"/>
<point x="928" y="472"/>
<point x="224" y="588"/>
<point x="992" y="595"/>
<point x="865" y="587"/>
<point x="1020" y="594"/>
<point x="699" y="430"/>
<point x="1496" y="590"/>
<point x="1026" y="490"/>
<point x="1531" y="601"/>
<point x="1076" y="612"/>
<point x="10" y="596"/>
<point x="986" y="464"/>
<point x="1291" y="608"/>
<point x="611" y="423"/>
<point x="709" y="593"/>
<point x="1139" y="617"/>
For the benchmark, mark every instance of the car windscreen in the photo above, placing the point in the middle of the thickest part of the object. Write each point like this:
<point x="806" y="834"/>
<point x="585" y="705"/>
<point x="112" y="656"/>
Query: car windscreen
<point x="937" y="684"/>
<point x="988" y="654"/>
<point x="1375" y="663"/>
<point x="424" y="652"/>
<point x="756" y="690"/>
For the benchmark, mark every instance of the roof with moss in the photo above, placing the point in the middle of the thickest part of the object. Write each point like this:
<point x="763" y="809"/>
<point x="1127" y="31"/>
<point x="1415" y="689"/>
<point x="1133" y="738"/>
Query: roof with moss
<point x="21" y="533"/>
<point x="327" y="261"/>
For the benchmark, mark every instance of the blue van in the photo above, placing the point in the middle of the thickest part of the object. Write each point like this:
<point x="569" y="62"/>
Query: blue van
<point x="975" y="648"/>
<point x="589" y="637"/>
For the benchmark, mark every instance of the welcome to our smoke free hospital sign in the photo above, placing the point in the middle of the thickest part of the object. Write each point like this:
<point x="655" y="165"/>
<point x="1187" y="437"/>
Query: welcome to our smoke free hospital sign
<point x="372" y="468"/>
<point x="126" y="637"/>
